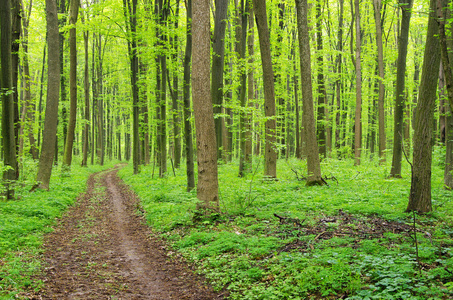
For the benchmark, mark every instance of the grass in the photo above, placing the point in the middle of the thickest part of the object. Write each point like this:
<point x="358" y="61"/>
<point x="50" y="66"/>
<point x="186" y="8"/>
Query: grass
<point x="247" y="251"/>
<point x="23" y="223"/>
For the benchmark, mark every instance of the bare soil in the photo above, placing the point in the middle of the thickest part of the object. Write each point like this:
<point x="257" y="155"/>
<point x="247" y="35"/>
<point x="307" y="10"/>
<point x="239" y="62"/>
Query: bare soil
<point x="102" y="249"/>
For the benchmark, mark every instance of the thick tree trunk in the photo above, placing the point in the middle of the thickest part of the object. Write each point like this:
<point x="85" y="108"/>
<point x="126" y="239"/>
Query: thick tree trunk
<point x="74" y="11"/>
<point x="16" y="35"/>
<point x="61" y="23"/>
<point x="403" y="41"/>
<point x="207" y="188"/>
<point x="186" y="97"/>
<point x="53" y="81"/>
<point x="308" y="118"/>
<point x="270" y="153"/>
<point x="420" y="193"/>
<point x="6" y="84"/>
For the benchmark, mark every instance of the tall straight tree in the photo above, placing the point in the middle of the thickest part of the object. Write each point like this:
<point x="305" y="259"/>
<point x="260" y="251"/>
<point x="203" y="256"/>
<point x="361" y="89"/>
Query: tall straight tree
<point x="186" y="97"/>
<point x="73" y="13"/>
<point x="162" y="57"/>
<point x="322" y="94"/>
<point x="53" y="87"/>
<point x="308" y="115"/>
<point x="6" y="84"/>
<point x="208" y="186"/>
<point x="86" y="87"/>
<point x="243" y="158"/>
<point x="420" y="193"/>
<point x="218" y="63"/>
<point x="358" y="85"/>
<point x="403" y="41"/>
<point x="270" y="153"/>
<point x="381" y="117"/>
<point x="130" y="13"/>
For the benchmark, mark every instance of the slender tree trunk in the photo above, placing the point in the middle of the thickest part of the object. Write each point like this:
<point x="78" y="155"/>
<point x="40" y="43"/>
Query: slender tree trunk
<point x="270" y="153"/>
<point x="322" y="96"/>
<point x="243" y="160"/>
<point x="61" y="23"/>
<point x="218" y="63"/>
<point x="403" y="41"/>
<point x="251" y="85"/>
<point x="207" y="188"/>
<point x="308" y="118"/>
<point x="16" y="35"/>
<point x="420" y="193"/>
<point x="28" y="110"/>
<point x="381" y="99"/>
<point x="175" y="98"/>
<point x="358" y="83"/>
<point x="338" y="82"/>
<point x="6" y="84"/>
<point x="86" y="129"/>
<point x="186" y="96"/>
<point x="41" y="94"/>
<point x="53" y="81"/>
<point x="74" y="11"/>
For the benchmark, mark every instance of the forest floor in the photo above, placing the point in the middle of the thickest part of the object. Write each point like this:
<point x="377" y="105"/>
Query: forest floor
<point x="103" y="249"/>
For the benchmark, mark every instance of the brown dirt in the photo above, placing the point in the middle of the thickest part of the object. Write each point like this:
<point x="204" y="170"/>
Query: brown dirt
<point x="101" y="249"/>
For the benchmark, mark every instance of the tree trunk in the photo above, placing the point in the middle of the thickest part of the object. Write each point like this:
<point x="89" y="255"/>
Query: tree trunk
<point x="53" y="81"/>
<point x="420" y="193"/>
<point x="243" y="160"/>
<point x="207" y="188"/>
<point x="15" y="43"/>
<point x="358" y="84"/>
<point x="218" y="63"/>
<point x="28" y="110"/>
<point x="74" y="11"/>
<point x="322" y="96"/>
<point x="338" y="82"/>
<point x="6" y="84"/>
<point x="308" y="118"/>
<point x="175" y="98"/>
<point x="381" y="99"/>
<point x="270" y="153"/>
<point x="186" y="96"/>
<point x="61" y="23"/>
<point x="403" y="41"/>
<point x="87" y="104"/>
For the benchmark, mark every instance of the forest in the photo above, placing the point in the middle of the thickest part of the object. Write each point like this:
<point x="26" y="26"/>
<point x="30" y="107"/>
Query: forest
<point x="277" y="149"/>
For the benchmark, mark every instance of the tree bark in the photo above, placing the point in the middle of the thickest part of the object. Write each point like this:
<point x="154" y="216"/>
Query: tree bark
<point x="420" y="193"/>
<point x="270" y="153"/>
<point x="6" y="84"/>
<point x="207" y="188"/>
<point x="403" y="41"/>
<point x="308" y="118"/>
<point x="53" y="81"/>
<point x="73" y="14"/>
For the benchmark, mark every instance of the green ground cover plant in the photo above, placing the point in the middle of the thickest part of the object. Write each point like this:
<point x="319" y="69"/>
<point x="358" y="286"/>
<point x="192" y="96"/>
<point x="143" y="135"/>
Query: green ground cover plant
<point x="23" y="223"/>
<point x="283" y="240"/>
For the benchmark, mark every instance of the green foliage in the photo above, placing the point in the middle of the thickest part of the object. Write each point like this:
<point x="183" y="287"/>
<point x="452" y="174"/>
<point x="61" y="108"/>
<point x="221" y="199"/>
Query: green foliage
<point x="23" y="223"/>
<point x="249" y="252"/>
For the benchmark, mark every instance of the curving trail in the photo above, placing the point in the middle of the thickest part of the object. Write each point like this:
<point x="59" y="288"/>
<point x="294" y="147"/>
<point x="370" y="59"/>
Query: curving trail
<point x="101" y="249"/>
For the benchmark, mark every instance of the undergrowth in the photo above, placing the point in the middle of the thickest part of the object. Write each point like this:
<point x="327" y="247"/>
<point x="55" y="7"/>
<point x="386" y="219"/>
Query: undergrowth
<point x="24" y="221"/>
<point x="350" y="239"/>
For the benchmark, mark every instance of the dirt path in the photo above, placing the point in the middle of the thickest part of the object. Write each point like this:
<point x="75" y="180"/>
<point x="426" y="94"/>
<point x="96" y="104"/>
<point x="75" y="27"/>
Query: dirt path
<point x="101" y="249"/>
